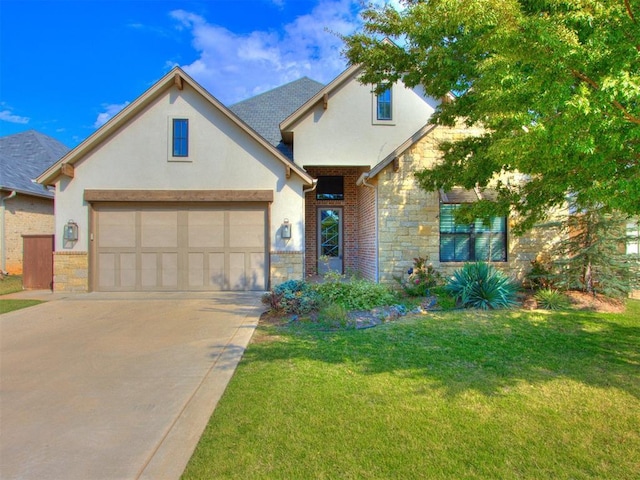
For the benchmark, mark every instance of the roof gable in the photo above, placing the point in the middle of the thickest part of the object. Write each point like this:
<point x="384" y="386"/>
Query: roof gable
<point x="23" y="157"/>
<point x="174" y="79"/>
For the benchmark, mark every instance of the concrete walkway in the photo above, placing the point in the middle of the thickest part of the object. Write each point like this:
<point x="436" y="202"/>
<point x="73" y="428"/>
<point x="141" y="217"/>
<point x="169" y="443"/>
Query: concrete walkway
<point x="115" y="386"/>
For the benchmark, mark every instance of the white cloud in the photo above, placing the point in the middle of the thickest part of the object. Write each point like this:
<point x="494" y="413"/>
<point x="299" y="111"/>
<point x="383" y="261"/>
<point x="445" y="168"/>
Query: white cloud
<point x="7" y="116"/>
<point x="237" y="66"/>
<point x="110" y="111"/>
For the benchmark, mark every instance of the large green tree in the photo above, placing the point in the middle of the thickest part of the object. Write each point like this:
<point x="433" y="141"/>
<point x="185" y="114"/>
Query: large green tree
<point x="554" y="83"/>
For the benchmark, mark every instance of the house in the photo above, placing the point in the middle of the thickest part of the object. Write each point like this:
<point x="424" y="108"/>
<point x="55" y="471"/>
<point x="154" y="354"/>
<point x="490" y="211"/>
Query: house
<point x="180" y="192"/>
<point x="26" y="208"/>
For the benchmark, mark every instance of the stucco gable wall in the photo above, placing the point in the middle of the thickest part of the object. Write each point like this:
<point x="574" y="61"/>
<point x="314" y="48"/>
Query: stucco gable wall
<point x="221" y="157"/>
<point x="345" y="135"/>
<point x="408" y="217"/>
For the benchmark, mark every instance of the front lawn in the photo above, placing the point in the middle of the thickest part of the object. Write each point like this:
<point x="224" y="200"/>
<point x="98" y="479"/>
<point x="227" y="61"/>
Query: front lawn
<point x="451" y="395"/>
<point x="10" y="284"/>
<point x="7" y="306"/>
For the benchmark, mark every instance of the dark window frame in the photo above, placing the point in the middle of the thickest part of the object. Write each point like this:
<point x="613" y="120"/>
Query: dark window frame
<point x="468" y="239"/>
<point x="330" y="187"/>
<point x="180" y="135"/>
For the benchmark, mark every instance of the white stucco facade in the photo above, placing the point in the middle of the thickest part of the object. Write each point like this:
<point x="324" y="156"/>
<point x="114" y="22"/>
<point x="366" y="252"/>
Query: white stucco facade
<point x="221" y="157"/>
<point x="347" y="132"/>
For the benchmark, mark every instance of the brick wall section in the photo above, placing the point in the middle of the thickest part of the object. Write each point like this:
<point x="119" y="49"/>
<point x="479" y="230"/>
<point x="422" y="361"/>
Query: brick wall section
<point x="25" y="215"/>
<point x="349" y="218"/>
<point x="408" y="217"/>
<point x="71" y="272"/>
<point x="367" y="248"/>
<point x="285" y="266"/>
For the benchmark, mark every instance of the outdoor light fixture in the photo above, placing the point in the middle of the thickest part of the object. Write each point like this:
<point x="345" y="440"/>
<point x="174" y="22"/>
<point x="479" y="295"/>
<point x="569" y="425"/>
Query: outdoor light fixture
<point x="285" y="231"/>
<point x="70" y="232"/>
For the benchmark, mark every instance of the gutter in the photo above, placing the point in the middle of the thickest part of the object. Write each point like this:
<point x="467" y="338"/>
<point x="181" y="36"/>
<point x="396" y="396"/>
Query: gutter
<point x="3" y="253"/>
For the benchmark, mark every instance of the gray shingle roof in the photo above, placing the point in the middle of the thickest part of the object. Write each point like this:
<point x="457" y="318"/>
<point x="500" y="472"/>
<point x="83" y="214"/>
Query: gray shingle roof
<point x="23" y="157"/>
<point x="264" y="112"/>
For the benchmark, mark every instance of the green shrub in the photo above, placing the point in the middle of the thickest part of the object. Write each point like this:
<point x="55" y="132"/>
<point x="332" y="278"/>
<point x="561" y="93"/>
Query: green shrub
<point x="480" y="285"/>
<point x="422" y="277"/>
<point x="354" y="294"/>
<point x="333" y="316"/>
<point x="292" y="296"/>
<point x="540" y="276"/>
<point x="551" y="299"/>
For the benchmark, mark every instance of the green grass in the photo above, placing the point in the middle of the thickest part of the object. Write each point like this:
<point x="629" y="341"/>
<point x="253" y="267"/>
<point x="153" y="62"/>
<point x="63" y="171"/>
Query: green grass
<point x="11" y="284"/>
<point x="453" y="395"/>
<point x="7" y="306"/>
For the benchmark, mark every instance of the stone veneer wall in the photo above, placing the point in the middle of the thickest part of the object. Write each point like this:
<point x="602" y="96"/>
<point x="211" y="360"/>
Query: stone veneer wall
<point x="25" y="215"/>
<point x="71" y="272"/>
<point x="285" y="266"/>
<point x="408" y="217"/>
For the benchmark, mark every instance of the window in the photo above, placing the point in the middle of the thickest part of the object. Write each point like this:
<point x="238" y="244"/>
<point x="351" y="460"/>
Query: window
<point x="330" y="188"/>
<point x="180" y="145"/>
<point x="474" y="242"/>
<point x="383" y="105"/>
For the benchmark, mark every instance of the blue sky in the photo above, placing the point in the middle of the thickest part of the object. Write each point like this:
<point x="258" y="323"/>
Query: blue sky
<point x="67" y="66"/>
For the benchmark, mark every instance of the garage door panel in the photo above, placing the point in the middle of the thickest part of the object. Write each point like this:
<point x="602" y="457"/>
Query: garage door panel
<point x="107" y="269"/>
<point x="159" y="229"/>
<point x="206" y="229"/>
<point x="169" y="266"/>
<point x="117" y="229"/>
<point x="128" y="269"/>
<point x="185" y="247"/>
<point x="216" y="271"/>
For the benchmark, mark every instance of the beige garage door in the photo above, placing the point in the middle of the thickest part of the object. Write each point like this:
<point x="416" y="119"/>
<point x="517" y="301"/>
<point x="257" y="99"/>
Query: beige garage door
<point x="179" y="247"/>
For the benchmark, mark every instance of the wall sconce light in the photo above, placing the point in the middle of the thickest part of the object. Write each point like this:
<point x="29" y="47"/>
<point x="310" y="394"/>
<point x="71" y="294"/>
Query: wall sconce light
<point x="70" y="233"/>
<point x="285" y="231"/>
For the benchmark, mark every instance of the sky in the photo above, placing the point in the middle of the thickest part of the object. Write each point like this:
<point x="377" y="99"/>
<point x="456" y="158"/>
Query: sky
<point x="68" y="66"/>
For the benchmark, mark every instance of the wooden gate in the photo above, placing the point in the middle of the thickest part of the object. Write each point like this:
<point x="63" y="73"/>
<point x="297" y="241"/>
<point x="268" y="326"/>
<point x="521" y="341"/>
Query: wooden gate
<point x="37" y="262"/>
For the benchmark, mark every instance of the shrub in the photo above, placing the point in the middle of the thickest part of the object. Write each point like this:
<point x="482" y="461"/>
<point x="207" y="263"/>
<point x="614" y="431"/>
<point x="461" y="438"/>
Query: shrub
<point x="354" y="294"/>
<point x="422" y="277"/>
<point x="541" y="275"/>
<point x="480" y="285"/>
<point x="551" y="299"/>
<point x="333" y="316"/>
<point x="292" y="296"/>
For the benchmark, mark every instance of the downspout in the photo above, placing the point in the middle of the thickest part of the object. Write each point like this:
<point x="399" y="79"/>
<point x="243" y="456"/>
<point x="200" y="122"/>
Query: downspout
<point x="314" y="184"/>
<point x="3" y="253"/>
<point x="363" y="178"/>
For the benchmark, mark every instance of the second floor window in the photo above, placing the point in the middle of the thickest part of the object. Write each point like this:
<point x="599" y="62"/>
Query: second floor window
<point x="180" y="137"/>
<point x="384" y="105"/>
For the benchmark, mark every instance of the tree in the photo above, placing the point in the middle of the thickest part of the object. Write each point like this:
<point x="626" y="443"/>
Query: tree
<point x="592" y="257"/>
<point x="554" y="83"/>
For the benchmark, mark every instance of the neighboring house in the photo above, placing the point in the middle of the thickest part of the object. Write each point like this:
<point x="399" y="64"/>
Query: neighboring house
<point x="26" y="208"/>
<point x="179" y="192"/>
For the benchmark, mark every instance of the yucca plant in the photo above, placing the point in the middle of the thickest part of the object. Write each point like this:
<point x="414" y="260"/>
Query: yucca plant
<point x="480" y="285"/>
<point x="551" y="299"/>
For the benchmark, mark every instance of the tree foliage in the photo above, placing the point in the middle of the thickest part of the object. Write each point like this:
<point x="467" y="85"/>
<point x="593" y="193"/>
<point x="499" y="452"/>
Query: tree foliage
<point x="554" y="83"/>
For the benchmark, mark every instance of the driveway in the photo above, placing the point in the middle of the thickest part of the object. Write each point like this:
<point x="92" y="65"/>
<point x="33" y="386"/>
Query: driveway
<point x="115" y="386"/>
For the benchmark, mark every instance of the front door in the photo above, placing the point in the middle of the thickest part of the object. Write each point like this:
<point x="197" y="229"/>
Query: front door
<point x="329" y="240"/>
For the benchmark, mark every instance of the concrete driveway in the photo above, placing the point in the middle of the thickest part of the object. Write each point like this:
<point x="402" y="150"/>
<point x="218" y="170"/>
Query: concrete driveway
<point x="115" y="386"/>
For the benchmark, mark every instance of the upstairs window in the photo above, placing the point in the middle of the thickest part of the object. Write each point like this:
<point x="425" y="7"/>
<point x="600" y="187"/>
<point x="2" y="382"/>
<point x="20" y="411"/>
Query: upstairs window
<point x="180" y="144"/>
<point x="471" y="242"/>
<point x="383" y="105"/>
<point x="330" y="188"/>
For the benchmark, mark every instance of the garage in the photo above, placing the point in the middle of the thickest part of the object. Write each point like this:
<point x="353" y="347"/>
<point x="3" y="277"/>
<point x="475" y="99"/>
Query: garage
<point x="179" y="246"/>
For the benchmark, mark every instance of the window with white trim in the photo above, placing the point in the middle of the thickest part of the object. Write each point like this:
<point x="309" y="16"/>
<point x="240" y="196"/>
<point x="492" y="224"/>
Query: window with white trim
<point x="478" y="241"/>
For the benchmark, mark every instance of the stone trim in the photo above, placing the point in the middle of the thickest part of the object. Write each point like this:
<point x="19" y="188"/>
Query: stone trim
<point x="71" y="271"/>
